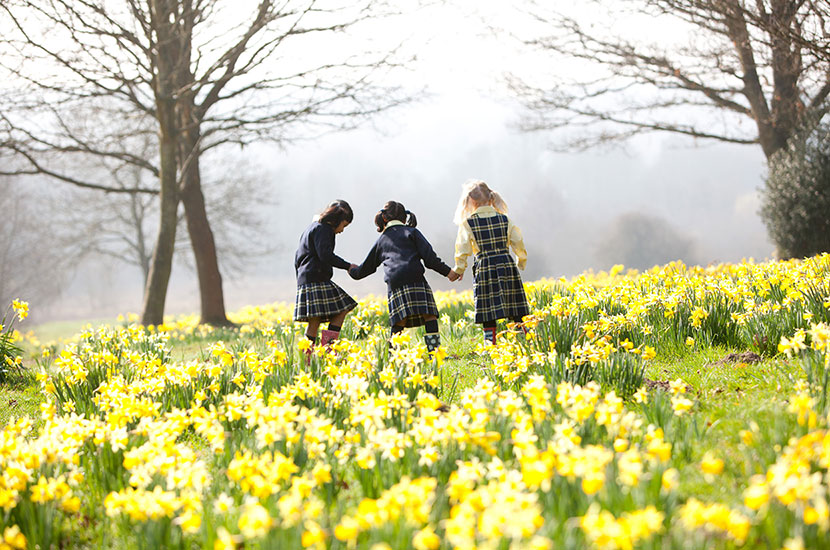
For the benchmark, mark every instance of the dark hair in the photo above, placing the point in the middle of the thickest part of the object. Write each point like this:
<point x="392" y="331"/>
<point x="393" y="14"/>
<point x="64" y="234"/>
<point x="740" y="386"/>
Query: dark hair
<point x="336" y="213"/>
<point x="394" y="211"/>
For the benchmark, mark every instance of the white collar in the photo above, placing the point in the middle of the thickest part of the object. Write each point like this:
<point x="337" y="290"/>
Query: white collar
<point x="486" y="209"/>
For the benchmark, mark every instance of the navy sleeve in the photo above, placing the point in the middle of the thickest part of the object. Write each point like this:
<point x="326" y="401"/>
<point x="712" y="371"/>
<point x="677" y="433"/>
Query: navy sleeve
<point x="369" y="265"/>
<point x="428" y="255"/>
<point x="323" y="239"/>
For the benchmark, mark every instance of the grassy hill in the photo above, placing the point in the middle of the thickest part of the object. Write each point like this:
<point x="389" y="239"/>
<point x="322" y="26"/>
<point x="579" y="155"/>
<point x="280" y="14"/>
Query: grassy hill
<point x="679" y="407"/>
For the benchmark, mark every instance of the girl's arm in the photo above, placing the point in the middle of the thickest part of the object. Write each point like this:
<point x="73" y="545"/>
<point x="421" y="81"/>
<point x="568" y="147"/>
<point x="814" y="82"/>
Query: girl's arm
<point x="428" y="255"/>
<point x="324" y="245"/>
<point x="369" y="265"/>
<point x="463" y="247"/>
<point x="517" y="244"/>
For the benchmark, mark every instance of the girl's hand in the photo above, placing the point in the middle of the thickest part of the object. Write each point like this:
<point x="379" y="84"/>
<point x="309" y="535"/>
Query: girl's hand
<point x="453" y="276"/>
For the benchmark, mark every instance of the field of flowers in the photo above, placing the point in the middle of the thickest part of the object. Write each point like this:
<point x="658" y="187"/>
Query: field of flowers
<point x="604" y="421"/>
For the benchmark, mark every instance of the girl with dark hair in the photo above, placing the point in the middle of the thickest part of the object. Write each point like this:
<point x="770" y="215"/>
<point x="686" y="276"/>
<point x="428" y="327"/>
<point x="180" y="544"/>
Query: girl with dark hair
<point x="401" y="249"/>
<point x="318" y="297"/>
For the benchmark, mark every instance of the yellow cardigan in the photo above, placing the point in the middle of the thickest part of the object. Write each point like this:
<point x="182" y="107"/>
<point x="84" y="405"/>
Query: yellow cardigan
<point x="465" y="243"/>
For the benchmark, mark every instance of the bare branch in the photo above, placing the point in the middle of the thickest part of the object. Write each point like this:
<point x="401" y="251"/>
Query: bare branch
<point x="763" y="61"/>
<point x="37" y="169"/>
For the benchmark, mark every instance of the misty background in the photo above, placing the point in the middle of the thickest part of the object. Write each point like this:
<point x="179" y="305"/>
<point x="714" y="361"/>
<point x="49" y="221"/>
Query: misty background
<point x="656" y="199"/>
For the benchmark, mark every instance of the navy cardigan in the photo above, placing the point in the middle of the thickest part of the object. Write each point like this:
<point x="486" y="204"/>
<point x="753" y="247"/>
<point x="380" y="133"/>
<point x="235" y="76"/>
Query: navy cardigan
<point x="400" y="249"/>
<point x="315" y="256"/>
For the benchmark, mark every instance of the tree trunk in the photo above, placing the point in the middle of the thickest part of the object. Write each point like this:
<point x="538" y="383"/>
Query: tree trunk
<point x="779" y="118"/>
<point x="738" y="32"/>
<point x="201" y="236"/>
<point x="204" y="250"/>
<point x="787" y="107"/>
<point x="155" y="293"/>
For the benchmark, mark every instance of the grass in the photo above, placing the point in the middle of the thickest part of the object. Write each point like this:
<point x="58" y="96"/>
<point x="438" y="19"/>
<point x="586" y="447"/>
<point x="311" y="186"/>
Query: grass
<point x="731" y="396"/>
<point x="726" y="386"/>
<point x="19" y="397"/>
<point x="461" y="368"/>
<point x="188" y="351"/>
<point x="57" y="331"/>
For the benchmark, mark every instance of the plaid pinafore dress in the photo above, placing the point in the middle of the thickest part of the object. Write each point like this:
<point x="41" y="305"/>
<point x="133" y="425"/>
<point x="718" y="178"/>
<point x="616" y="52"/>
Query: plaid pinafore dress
<point x="411" y="302"/>
<point x="497" y="285"/>
<point x="323" y="300"/>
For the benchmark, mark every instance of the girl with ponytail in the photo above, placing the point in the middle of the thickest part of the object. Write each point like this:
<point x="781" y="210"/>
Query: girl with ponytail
<point x="404" y="251"/>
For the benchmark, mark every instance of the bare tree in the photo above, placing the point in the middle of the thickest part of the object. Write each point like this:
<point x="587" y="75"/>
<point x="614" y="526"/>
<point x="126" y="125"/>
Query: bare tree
<point x="109" y="225"/>
<point x="719" y="63"/>
<point x="205" y="73"/>
<point x="30" y="268"/>
<point x="119" y="226"/>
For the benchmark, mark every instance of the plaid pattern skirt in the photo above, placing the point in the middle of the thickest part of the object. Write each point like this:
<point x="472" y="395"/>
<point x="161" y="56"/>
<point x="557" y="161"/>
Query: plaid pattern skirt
<point x="411" y="302"/>
<point x="498" y="289"/>
<point x="323" y="300"/>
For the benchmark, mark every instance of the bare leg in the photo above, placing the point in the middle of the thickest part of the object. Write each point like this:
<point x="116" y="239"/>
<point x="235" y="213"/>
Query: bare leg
<point x="339" y="319"/>
<point x="313" y="327"/>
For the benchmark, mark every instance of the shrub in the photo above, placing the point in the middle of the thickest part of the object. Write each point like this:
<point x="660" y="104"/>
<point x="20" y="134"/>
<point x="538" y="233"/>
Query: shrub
<point x="796" y="201"/>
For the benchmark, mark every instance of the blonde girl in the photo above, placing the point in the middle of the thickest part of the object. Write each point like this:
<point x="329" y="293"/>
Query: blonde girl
<point x="485" y="231"/>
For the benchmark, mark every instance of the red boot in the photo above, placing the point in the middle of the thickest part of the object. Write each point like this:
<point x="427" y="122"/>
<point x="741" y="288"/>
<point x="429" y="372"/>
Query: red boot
<point x="328" y="337"/>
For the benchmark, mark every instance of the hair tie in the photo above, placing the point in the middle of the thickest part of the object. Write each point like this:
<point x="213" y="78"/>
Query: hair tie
<point x="408" y="213"/>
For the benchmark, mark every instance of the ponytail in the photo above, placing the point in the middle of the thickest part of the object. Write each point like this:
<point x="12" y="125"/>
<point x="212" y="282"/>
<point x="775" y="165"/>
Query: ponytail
<point x="411" y="220"/>
<point x="380" y="221"/>
<point x="394" y="211"/>
<point x="498" y="203"/>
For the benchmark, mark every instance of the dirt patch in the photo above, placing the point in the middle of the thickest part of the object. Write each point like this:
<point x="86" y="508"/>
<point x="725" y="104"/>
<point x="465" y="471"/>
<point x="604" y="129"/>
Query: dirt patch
<point x="664" y="385"/>
<point x="745" y="357"/>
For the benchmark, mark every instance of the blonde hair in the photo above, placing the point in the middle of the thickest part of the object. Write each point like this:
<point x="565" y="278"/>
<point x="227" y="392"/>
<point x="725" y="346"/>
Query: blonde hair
<point x="475" y="194"/>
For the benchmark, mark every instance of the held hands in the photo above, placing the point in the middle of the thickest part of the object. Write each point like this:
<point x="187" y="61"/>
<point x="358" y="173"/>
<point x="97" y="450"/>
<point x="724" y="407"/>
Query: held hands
<point x="353" y="269"/>
<point x="453" y="276"/>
